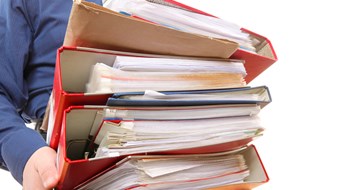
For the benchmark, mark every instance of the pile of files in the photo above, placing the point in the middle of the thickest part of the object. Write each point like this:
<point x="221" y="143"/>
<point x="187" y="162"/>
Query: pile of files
<point x="159" y="172"/>
<point x="130" y="74"/>
<point x="138" y="111"/>
<point x="154" y="121"/>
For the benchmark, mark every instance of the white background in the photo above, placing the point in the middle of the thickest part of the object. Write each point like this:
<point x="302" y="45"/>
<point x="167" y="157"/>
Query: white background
<point x="306" y="144"/>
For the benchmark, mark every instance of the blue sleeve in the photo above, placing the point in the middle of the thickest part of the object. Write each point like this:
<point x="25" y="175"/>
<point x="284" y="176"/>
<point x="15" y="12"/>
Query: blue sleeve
<point x="17" y="142"/>
<point x="31" y="31"/>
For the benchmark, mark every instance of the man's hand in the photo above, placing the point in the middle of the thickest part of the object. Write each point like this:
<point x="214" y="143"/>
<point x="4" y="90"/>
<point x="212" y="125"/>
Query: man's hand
<point x="40" y="171"/>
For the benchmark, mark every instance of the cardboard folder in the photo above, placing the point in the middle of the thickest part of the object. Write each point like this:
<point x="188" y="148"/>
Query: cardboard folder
<point x="74" y="169"/>
<point x="91" y="25"/>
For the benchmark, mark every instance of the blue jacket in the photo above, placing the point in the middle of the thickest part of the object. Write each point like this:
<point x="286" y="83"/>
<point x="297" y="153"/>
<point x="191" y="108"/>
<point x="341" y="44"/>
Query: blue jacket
<point x="30" y="33"/>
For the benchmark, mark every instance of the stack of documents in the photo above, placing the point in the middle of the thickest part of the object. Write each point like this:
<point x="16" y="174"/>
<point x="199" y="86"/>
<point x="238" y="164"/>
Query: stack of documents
<point x="173" y="172"/>
<point x="168" y="121"/>
<point x="135" y="137"/>
<point x="165" y="74"/>
<point x="166" y="14"/>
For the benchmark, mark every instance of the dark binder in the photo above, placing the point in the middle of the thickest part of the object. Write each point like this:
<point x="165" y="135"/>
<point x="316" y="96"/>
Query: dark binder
<point x="215" y="97"/>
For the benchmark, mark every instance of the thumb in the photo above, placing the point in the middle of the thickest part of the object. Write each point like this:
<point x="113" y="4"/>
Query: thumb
<point x="46" y="167"/>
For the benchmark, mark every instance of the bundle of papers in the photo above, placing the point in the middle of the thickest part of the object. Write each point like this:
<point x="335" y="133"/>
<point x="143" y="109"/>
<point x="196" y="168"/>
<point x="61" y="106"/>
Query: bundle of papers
<point x="173" y="172"/>
<point x="180" y="112"/>
<point x="163" y="74"/>
<point x="166" y="14"/>
<point x="133" y="137"/>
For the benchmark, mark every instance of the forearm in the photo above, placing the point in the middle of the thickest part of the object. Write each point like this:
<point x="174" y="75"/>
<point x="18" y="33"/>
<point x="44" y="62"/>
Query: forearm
<point x="17" y="142"/>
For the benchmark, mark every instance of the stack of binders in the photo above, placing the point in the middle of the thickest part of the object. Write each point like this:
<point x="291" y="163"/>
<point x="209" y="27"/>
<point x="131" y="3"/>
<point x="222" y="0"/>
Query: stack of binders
<point x="159" y="107"/>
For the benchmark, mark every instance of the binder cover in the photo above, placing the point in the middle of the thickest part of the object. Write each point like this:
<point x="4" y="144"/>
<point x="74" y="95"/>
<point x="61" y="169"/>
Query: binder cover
<point x="131" y="98"/>
<point x="71" y="74"/>
<point x="91" y="25"/>
<point x="88" y="21"/>
<point x="74" y="169"/>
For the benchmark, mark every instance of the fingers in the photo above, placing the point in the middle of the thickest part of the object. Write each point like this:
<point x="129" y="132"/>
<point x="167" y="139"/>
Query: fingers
<point x="32" y="180"/>
<point x="48" y="176"/>
<point x="46" y="167"/>
<point x="40" y="172"/>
